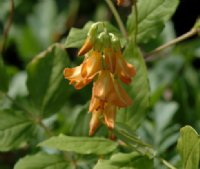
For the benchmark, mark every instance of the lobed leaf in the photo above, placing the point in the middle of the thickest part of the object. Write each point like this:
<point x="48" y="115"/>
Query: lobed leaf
<point x="15" y="129"/>
<point x="46" y="84"/>
<point x="81" y="145"/>
<point x="189" y="148"/>
<point x="42" y="161"/>
<point x="152" y="15"/>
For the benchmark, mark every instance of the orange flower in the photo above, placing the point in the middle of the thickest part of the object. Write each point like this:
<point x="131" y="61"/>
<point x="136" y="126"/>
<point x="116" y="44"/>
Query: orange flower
<point x="124" y="70"/>
<point x="92" y="64"/>
<point x="81" y="75"/>
<point x="108" y="112"/>
<point x="74" y="75"/>
<point x="107" y="89"/>
<point x="110" y="59"/>
<point x="94" y="122"/>
<point x="87" y="46"/>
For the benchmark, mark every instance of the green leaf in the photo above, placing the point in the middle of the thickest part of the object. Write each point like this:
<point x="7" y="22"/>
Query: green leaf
<point x="41" y="161"/>
<point x="138" y="90"/>
<point x="152" y="15"/>
<point x="47" y="87"/>
<point x="3" y="77"/>
<point x="188" y="147"/>
<point x="15" y="129"/>
<point x="125" y="161"/>
<point x="82" y="145"/>
<point x="77" y="37"/>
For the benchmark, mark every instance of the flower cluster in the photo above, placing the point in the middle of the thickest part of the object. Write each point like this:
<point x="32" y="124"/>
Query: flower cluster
<point x="104" y="64"/>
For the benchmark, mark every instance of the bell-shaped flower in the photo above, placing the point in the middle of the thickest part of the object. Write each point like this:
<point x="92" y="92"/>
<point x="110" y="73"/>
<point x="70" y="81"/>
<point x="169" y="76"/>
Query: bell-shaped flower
<point x="107" y="89"/>
<point x="124" y="70"/>
<point x="81" y="75"/>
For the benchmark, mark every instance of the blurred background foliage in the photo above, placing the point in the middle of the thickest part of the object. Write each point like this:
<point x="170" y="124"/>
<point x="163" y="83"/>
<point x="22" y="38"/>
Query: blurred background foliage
<point x="174" y="76"/>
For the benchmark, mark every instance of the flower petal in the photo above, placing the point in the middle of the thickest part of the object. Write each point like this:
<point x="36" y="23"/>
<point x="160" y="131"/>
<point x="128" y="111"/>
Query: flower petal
<point x="124" y="70"/>
<point x="75" y="78"/>
<point x="110" y="59"/>
<point x="107" y="89"/>
<point x="91" y="65"/>
<point x="94" y="122"/>
<point x="109" y="115"/>
<point x="87" y="46"/>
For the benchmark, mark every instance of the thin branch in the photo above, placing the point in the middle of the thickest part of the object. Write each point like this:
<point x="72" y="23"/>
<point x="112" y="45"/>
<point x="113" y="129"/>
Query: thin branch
<point x="187" y="35"/>
<point x="48" y="131"/>
<point x="117" y="17"/>
<point x="8" y="26"/>
<point x="166" y="163"/>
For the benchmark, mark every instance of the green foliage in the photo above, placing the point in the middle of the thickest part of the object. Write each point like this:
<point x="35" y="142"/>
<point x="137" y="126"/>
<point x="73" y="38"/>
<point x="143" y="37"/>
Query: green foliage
<point x="82" y="145"/>
<point x="152" y="15"/>
<point x="125" y="161"/>
<point x="189" y="148"/>
<point x="42" y="161"/>
<point x="15" y="130"/>
<point x="45" y="82"/>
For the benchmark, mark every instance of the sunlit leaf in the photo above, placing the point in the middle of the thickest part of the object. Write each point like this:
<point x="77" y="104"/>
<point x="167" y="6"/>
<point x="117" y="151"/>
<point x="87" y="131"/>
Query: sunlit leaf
<point x="189" y="148"/>
<point x="42" y="161"/>
<point x="15" y="129"/>
<point x="152" y="15"/>
<point x="82" y="145"/>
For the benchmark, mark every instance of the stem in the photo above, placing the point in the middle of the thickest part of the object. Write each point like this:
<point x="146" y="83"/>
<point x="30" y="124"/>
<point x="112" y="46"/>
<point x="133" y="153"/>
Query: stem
<point x="166" y="163"/>
<point x="48" y="131"/>
<point x="8" y="26"/>
<point x="117" y="18"/>
<point x="189" y="34"/>
<point x="136" y="21"/>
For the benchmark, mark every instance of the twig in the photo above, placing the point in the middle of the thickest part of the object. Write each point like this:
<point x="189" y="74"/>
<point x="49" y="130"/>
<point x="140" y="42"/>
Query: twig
<point x="166" y="163"/>
<point x="48" y="131"/>
<point x="117" y="18"/>
<point x="8" y="26"/>
<point x="187" y="35"/>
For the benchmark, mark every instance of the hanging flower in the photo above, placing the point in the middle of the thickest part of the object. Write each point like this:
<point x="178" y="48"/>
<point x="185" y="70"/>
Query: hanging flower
<point x="103" y="60"/>
<point x="106" y="88"/>
<point x="81" y="75"/>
